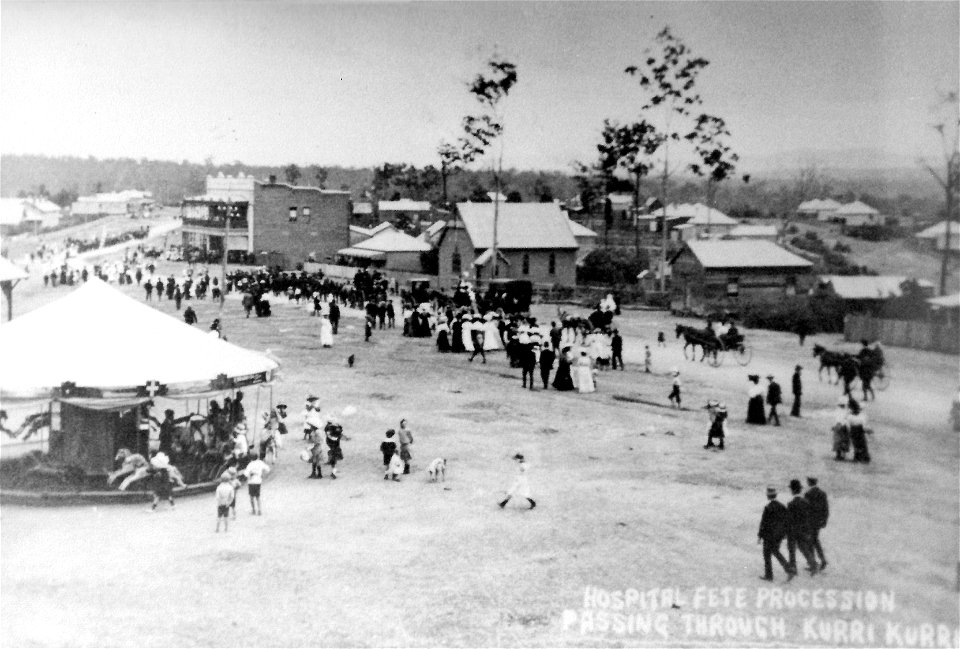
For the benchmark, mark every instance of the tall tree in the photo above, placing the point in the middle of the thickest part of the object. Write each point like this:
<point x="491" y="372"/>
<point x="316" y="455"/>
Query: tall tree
<point x="668" y="79"/>
<point x="489" y="88"/>
<point x="717" y="160"/>
<point x="451" y="161"/>
<point x="292" y="173"/>
<point x="948" y="128"/>
<point x="320" y="176"/>
<point x="629" y="147"/>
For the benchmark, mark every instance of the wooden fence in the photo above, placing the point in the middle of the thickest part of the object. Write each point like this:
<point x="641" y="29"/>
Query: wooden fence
<point x="903" y="333"/>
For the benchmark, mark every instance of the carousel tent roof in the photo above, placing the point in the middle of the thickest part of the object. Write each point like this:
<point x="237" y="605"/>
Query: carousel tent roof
<point x="98" y="342"/>
<point x="10" y="271"/>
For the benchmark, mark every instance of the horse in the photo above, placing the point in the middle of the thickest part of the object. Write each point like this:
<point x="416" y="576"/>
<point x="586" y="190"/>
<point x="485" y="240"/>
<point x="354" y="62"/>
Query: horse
<point x="829" y="360"/>
<point x="706" y="339"/>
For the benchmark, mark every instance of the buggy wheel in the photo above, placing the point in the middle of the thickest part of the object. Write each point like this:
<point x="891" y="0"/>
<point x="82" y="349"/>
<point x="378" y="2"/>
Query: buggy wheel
<point x="882" y="380"/>
<point x="716" y="359"/>
<point x="744" y="355"/>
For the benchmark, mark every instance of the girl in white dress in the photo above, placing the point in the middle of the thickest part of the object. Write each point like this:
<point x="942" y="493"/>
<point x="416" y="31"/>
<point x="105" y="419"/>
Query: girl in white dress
<point x="326" y="332"/>
<point x="520" y="486"/>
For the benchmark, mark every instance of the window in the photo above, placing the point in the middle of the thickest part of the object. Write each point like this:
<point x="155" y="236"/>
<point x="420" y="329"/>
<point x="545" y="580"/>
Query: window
<point x="526" y="264"/>
<point x="456" y="262"/>
<point x="306" y="213"/>
<point x="733" y="286"/>
<point x="552" y="264"/>
<point x="791" y="285"/>
<point x="293" y="213"/>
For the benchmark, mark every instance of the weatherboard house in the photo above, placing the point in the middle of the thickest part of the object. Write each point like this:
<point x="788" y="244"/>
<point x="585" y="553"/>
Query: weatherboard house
<point x="535" y="243"/>
<point x="708" y="275"/>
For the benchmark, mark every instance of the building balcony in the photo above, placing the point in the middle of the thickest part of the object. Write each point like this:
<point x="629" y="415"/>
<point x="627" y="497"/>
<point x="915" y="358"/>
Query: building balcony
<point x="215" y="226"/>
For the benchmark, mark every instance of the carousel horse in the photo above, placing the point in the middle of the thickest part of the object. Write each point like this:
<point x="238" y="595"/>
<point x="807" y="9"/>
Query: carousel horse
<point x="131" y="463"/>
<point x="158" y="461"/>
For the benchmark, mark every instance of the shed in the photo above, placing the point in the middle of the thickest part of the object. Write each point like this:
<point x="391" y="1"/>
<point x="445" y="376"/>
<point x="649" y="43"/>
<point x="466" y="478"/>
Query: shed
<point x="720" y="274"/>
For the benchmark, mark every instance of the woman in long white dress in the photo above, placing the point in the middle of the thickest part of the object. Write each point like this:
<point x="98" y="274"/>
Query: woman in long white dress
<point x="491" y="334"/>
<point x="326" y="332"/>
<point x="466" y="333"/>
<point x="585" y="374"/>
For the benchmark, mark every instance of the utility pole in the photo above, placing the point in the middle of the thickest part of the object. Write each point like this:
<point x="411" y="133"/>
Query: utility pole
<point x="950" y="186"/>
<point x="223" y="267"/>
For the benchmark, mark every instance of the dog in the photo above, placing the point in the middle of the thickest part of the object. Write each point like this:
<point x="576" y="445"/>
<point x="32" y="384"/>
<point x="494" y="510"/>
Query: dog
<point x="438" y="470"/>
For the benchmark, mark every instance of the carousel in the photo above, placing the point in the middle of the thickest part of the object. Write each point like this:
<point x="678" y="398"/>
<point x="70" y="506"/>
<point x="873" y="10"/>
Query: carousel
<point x="98" y="386"/>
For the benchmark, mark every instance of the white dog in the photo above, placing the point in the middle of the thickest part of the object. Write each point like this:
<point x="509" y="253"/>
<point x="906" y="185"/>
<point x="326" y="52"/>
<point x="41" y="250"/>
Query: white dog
<point x="438" y="470"/>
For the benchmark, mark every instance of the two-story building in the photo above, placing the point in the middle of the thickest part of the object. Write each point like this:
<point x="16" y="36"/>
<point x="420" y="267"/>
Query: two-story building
<point x="284" y="223"/>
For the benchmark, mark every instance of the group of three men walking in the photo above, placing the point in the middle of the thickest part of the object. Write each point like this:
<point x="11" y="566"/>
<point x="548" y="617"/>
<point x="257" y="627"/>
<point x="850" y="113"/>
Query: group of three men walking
<point x="800" y="522"/>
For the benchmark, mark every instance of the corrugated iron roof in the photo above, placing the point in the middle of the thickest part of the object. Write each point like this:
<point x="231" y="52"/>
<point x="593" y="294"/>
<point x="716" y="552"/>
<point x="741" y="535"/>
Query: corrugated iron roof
<point x="856" y="207"/>
<point x="865" y="287"/>
<point x="753" y="231"/>
<point x="938" y="230"/>
<point x="945" y="301"/>
<point x="393" y="241"/>
<point x="404" y="205"/>
<point x="744" y="253"/>
<point x="520" y="226"/>
<point x="580" y="230"/>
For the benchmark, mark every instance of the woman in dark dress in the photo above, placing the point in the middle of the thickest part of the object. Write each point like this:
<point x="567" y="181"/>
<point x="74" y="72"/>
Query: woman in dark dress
<point x="563" y="381"/>
<point x="857" y="424"/>
<point x="456" y="338"/>
<point x="755" y="410"/>
<point x="443" y="338"/>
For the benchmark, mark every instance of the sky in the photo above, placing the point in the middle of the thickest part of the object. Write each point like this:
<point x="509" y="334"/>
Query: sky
<point x="359" y="84"/>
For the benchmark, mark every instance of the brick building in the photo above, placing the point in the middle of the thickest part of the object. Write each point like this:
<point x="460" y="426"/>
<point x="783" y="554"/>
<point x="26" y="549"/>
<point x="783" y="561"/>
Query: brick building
<point x="283" y="223"/>
<point x="535" y="242"/>
<point x="708" y="275"/>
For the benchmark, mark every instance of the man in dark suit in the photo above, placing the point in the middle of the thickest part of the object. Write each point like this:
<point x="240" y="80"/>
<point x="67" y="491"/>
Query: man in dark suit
<point x="616" y="349"/>
<point x="773" y="527"/>
<point x="797" y="391"/>
<point x="547" y="357"/>
<point x="774" y="399"/>
<point x="798" y="529"/>
<point x="334" y="316"/>
<point x="819" y="513"/>
<point x="528" y="360"/>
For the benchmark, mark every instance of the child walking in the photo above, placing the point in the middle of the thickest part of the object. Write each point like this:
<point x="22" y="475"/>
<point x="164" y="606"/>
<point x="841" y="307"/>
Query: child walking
<point x="647" y="359"/>
<point x="521" y="486"/>
<point x="675" y="392"/>
<point x="388" y="447"/>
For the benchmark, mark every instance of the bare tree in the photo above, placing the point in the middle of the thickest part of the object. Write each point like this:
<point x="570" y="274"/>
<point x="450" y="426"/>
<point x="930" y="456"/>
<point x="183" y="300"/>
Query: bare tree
<point x="717" y="160"/>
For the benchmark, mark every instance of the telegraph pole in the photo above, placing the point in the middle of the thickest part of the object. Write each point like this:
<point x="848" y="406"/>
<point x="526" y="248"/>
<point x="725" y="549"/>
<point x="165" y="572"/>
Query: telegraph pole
<point x="223" y="267"/>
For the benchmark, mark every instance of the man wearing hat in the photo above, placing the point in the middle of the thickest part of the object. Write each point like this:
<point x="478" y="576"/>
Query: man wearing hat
<point x="797" y="391"/>
<point x="616" y="350"/>
<point x="819" y="513"/>
<point x="774" y="399"/>
<point x="799" y="526"/>
<point x="773" y="527"/>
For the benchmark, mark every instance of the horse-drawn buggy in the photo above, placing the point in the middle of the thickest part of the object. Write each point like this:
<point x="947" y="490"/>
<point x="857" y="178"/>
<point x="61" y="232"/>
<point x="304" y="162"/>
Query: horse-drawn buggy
<point x="714" y="346"/>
